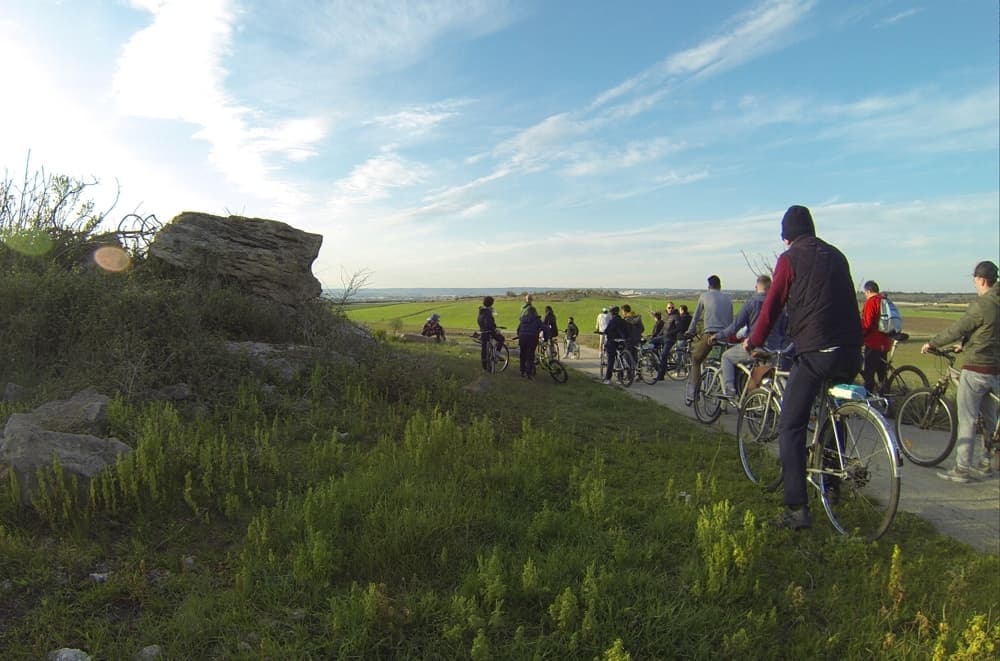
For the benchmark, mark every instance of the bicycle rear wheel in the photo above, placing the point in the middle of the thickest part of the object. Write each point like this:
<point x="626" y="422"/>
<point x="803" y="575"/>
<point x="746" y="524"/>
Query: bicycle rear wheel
<point x="900" y="382"/>
<point x="757" y="434"/>
<point x="649" y="365"/>
<point x="926" y="427"/>
<point x="858" y="482"/>
<point x="624" y="370"/>
<point x="707" y="401"/>
<point x="557" y="371"/>
<point x="678" y="364"/>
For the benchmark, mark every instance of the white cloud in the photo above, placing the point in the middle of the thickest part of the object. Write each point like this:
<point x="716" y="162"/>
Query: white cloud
<point x="896" y="18"/>
<point x="173" y="70"/>
<point x="419" y="119"/>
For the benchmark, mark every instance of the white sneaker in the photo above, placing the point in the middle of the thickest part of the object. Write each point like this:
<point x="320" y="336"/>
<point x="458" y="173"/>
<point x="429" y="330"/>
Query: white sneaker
<point x="982" y="470"/>
<point x="606" y="382"/>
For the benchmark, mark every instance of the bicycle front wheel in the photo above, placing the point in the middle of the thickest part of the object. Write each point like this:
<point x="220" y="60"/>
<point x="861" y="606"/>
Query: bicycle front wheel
<point x="649" y="365"/>
<point x="757" y="434"/>
<point x="858" y="476"/>
<point x="707" y="401"/>
<point x="926" y="427"/>
<point x="502" y="358"/>
<point x="557" y="371"/>
<point x="900" y="382"/>
<point x="678" y="364"/>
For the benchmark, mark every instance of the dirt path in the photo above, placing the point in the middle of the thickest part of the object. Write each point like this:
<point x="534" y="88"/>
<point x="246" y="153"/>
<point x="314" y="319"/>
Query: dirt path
<point x="967" y="512"/>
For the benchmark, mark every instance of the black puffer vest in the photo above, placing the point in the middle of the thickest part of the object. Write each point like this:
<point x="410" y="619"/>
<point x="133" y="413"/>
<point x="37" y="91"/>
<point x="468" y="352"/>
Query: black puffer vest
<point x="822" y="306"/>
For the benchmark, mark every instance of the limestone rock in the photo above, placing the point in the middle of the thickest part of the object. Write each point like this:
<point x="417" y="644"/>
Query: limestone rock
<point x="269" y="258"/>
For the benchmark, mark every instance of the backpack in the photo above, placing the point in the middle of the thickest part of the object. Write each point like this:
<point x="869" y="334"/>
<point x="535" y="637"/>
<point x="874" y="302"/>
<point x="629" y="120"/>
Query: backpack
<point x="889" y="321"/>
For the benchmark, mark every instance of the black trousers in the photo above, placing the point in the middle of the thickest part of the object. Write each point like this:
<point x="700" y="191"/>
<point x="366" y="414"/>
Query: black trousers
<point x="874" y="366"/>
<point x="809" y="372"/>
<point x="527" y="346"/>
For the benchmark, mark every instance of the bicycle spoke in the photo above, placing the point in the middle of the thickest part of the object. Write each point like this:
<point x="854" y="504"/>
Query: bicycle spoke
<point x="757" y="434"/>
<point x="926" y="427"/>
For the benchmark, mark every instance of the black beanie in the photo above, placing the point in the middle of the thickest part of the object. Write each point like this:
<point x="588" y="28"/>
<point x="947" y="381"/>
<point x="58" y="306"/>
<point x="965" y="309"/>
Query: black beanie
<point x="796" y="222"/>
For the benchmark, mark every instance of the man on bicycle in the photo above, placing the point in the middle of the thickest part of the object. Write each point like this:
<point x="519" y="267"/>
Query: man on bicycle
<point x="979" y="330"/>
<point x="718" y="311"/>
<point x="487" y="329"/>
<point x="745" y="320"/>
<point x="813" y="284"/>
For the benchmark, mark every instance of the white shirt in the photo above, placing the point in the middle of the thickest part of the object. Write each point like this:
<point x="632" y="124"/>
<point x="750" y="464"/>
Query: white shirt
<point x="602" y="321"/>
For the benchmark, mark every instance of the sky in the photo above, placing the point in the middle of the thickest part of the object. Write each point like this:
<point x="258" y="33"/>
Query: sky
<point x="510" y="143"/>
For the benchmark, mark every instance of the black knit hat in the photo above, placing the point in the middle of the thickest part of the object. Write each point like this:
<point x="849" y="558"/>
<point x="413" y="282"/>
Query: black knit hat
<point x="796" y="222"/>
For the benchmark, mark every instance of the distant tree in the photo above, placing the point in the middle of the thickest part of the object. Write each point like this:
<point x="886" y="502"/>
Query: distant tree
<point x="352" y="285"/>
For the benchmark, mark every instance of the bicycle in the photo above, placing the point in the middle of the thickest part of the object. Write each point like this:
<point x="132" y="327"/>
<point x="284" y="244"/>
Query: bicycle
<point x="927" y="421"/>
<point x="497" y="355"/>
<point x="679" y="360"/>
<point x="601" y="344"/>
<point x="852" y="461"/>
<point x="547" y="358"/>
<point x="649" y="362"/>
<point x="900" y="380"/>
<point x="623" y="368"/>
<point x="707" y="402"/>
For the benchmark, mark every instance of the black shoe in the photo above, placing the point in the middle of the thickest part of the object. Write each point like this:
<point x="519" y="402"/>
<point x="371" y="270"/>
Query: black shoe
<point x="793" y="519"/>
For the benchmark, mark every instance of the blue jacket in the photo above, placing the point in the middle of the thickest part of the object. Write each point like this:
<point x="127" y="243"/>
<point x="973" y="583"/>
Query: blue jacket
<point x="748" y="315"/>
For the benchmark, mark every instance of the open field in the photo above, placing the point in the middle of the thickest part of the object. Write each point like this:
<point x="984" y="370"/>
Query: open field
<point x="458" y="317"/>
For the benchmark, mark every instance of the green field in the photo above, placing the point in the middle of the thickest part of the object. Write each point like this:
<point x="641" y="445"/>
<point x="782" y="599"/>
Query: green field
<point x="459" y="318"/>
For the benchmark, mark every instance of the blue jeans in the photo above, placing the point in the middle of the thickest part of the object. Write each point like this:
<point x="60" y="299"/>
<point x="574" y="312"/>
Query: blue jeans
<point x="973" y="400"/>
<point x="808" y="374"/>
<point x="668" y="344"/>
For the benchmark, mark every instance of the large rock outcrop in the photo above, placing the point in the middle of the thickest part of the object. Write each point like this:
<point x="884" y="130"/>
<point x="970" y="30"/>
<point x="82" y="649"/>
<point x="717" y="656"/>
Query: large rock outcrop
<point x="269" y="258"/>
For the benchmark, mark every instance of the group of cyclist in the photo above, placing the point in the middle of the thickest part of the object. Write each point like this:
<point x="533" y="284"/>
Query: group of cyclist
<point x="532" y="328"/>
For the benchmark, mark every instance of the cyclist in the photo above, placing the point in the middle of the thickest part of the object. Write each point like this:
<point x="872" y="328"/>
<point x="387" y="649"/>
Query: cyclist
<point x="813" y="283"/>
<point x="658" y="326"/>
<point x="550" y="329"/>
<point x="635" y="331"/>
<point x="528" y="327"/>
<point x="744" y="322"/>
<point x="616" y="329"/>
<point x="671" y="329"/>
<point x="487" y="329"/>
<point x="979" y="330"/>
<point x="572" y="331"/>
<point x="718" y="310"/>
<point x="601" y="325"/>
<point x="877" y="343"/>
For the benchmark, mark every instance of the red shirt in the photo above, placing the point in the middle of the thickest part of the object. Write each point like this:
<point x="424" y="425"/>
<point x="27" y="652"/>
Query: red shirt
<point x="873" y="337"/>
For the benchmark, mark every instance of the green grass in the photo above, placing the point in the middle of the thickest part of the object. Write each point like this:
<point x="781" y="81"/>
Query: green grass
<point x="527" y="520"/>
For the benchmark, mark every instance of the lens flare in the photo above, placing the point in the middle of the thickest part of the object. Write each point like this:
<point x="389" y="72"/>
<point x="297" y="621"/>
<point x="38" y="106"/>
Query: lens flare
<point x="112" y="258"/>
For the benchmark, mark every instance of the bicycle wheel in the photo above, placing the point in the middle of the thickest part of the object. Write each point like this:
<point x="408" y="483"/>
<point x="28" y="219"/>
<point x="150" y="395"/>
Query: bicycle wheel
<point x="859" y="481"/>
<point x="707" y="401"/>
<point x="502" y="358"/>
<point x="624" y="371"/>
<point x="604" y="356"/>
<point x="757" y="433"/>
<point x="899" y="383"/>
<point x="557" y="371"/>
<point x="678" y="364"/>
<point x="649" y="365"/>
<point x="926" y="426"/>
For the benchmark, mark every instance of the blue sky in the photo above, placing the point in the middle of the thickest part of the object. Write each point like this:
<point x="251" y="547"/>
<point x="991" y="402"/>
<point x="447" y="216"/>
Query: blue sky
<point x="500" y="143"/>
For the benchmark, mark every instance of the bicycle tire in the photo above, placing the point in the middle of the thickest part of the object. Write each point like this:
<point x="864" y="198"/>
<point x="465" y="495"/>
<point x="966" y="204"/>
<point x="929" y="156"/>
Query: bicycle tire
<point x="900" y="382"/>
<point x="604" y="357"/>
<point x="859" y="486"/>
<point x="678" y="364"/>
<point x="926" y="426"/>
<point x="557" y="371"/>
<point x="649" y="365"/>
<point x="502" y="358"/>
<point x="707" y="400"/>
<point x="624" y="370"/>
<point x="757" y="435"/>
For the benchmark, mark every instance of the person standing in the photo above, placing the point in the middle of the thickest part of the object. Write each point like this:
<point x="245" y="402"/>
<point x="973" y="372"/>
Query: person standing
<point x="877" y="343"/>
<point x="658" y="326"/>
<point x="813" y="284"/>
<point x="601" y="325"/>
<point x="617" y="329"/>
<point x="979" y="331"/>
<point x="487" y="329"/>
<point x="672" y="327"/>
<point x="685" y="319"/>
<point x="528" y="327"/>
<point x="717" y="309"/>
<point x="550" y="331"/>
<point x="635" y="331"/>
